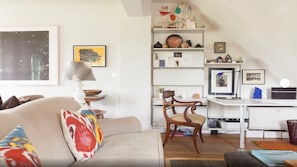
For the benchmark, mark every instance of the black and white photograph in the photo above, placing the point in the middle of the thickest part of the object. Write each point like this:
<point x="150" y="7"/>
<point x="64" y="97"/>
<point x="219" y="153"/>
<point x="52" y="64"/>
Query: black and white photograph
<point x="221" y="81"/>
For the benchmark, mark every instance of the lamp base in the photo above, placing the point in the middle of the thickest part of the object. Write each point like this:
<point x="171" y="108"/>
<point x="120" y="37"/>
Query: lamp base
<point x="79" y="95"/>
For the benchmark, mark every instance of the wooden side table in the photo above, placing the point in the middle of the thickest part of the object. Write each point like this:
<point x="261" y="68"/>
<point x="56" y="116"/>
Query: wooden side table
<point x="88" y="99"/>
<point x="99" y="113"/>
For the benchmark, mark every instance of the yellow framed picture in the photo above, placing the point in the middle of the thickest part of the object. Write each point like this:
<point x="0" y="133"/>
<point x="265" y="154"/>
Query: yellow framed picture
<point x="93" y="54"/>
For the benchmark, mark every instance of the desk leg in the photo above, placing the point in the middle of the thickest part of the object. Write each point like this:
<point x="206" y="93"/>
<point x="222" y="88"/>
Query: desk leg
<point x="242" y="128"/>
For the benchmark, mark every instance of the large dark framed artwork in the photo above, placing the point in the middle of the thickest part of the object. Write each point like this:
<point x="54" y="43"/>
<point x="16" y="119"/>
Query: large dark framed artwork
<point x="95" y="55"/>
<point x="221" y="81"/>
<point x="29" y="55"/>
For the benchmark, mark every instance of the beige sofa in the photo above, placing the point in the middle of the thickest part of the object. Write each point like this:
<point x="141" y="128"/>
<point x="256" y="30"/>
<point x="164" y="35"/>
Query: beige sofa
<point x="124" y="144"/>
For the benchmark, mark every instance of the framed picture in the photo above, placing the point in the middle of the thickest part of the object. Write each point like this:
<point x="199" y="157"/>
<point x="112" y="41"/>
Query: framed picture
<point x="253" y="76"/>
<point x="220" y="47"/>
<point x="93" y="54"/>
<point x="29" y="55"/>
<point x="221" y="81"/>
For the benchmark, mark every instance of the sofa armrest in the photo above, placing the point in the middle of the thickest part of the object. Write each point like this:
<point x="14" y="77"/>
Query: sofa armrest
<point x="119" y="125"/>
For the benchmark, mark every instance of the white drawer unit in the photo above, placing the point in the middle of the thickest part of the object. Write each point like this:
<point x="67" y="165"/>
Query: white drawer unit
<point x="270" y="118"/>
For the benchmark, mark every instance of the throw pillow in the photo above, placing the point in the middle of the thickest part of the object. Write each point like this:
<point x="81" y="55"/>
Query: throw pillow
<point x="1" y="102"/>
<point x="10" y="103"/>
<point x="16" y="150"/>
<point x="89" y="113"/>
<point x="79" y="135"/>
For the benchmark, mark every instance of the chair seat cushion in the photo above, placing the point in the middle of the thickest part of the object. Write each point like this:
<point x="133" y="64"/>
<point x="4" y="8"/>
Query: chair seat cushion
<point x="193" y="117"/>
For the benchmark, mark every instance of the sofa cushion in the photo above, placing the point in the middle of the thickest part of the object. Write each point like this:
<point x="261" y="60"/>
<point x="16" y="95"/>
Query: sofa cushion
<point x="10" y="103"/>
<point x="135" y="149"/>
<point x="79" y="135"/>
<point x="91" y="116"/>
<point x="16" y="150"/>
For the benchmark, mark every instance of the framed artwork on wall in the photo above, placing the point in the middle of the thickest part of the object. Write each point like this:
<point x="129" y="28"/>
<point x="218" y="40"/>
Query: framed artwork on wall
<point x="221" y="81"/>
<point x="253" y="76"/>
<point x="220" y="47"/>
<point x="29" y="55"/>
<point x="93" y="54"/>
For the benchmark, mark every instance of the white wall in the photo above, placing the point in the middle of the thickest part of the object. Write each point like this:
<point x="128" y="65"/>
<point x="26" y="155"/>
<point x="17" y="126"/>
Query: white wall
<point x="93" y="23"/>
<point x="263" y="32"/>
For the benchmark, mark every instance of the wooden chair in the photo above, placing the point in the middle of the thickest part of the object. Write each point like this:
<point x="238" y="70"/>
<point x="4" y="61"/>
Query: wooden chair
<point x="187" y="118"/>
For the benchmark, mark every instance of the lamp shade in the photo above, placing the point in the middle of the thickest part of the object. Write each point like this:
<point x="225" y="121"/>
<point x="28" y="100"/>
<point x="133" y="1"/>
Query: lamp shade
<point x="79" y="71"/>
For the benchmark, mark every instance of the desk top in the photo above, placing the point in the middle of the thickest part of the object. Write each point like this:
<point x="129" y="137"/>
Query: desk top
<point x="254" y="102"/>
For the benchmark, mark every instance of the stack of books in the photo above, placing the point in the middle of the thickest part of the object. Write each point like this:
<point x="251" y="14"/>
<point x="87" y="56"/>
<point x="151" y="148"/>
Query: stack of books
<point x="274" y="157"/>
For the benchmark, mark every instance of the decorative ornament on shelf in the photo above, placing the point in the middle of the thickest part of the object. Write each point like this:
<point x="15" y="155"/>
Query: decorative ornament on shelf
<point x="158" y="45"/>
<point x="79" y="72"/>
<point x="228" y="59"/>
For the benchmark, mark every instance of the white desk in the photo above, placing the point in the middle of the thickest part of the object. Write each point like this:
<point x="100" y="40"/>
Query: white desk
<point x="244" y="103"/>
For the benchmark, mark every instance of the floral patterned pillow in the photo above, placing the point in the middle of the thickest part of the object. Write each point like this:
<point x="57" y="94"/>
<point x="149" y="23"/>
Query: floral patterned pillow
<point x="16" y="150"/>
<point x="91" y="116"/>
<point x="79" y="135"/>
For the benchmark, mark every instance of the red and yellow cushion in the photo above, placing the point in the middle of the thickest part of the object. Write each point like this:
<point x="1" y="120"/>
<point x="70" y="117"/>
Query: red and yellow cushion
<point x="91" y="116"/>
<point x="79" y="135"/>
<point x="16" y="150"/>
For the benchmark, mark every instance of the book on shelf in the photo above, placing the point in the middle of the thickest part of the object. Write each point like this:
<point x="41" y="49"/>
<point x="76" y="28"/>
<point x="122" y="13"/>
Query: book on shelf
<point x="274" y="157"/>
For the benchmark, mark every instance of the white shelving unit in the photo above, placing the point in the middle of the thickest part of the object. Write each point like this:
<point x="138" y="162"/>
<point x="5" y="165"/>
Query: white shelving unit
<point x="179" y="69"/>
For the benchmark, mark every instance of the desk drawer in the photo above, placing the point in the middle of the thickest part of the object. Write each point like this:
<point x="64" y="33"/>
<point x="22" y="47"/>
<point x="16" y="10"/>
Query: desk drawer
<point x="270" y="118"/>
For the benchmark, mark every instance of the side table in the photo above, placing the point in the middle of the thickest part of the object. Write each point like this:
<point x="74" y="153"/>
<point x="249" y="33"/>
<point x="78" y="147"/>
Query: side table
<point x="88" y="99"/>
<point x="99" y="113"/>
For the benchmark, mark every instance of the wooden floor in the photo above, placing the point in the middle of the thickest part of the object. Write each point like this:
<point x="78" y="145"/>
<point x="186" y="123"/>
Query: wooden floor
<point x="214" y="146"/>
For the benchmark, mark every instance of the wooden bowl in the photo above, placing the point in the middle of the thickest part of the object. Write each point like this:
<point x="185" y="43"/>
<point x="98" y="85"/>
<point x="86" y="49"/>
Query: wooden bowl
<point x="92" y="92"/>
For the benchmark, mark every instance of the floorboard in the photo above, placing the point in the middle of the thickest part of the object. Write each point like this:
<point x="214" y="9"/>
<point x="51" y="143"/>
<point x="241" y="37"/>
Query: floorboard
<point x="214" y="146"/>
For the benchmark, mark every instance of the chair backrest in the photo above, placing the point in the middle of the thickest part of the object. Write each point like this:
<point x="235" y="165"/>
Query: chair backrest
<point x="167" y="99"/>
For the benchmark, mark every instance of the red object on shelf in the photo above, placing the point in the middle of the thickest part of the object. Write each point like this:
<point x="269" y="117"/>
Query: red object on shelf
<point x="163" y="13"/>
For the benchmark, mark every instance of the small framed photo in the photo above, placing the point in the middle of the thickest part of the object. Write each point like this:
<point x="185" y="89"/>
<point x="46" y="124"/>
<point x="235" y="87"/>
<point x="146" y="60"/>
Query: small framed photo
<point x="93" y="54"/>
<point x="221" y="81"/>
<point x="253" y="76"/>
<point x="220" y="47"/>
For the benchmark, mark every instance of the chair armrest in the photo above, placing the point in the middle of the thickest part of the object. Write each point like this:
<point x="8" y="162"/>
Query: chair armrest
<point x="115" y="126"/>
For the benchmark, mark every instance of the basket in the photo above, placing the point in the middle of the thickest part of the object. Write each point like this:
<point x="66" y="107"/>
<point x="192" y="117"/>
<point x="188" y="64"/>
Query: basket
<point x="292" y="129"/>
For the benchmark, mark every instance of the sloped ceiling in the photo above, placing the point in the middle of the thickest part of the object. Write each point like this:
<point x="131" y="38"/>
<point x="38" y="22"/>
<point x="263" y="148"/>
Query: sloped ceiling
<point x="265" y="31"/>
<point x="137" y="8"/>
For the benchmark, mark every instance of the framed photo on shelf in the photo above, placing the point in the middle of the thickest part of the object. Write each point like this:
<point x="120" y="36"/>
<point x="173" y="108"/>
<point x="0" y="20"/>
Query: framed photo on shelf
<point x="29" y="55"/>
<point x="221" y="81"/>
<point x="93" y="54"/>
<point x="220" y="47"/>
<point x="253" y="76"/>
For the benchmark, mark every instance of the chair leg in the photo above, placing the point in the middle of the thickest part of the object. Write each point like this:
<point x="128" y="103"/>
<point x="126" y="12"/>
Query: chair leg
<point x="194" y="139"/>
<point x="167" y="134"/>
<point x="200" y="134"/>
<point x="175" y="127"/>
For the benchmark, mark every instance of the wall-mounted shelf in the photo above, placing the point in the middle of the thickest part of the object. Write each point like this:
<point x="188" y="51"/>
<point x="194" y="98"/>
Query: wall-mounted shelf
<point x="179" y="69"/>
<point x="178" y="30"/>
<point x="222" y="64"/>
<point x="178" y="49"/>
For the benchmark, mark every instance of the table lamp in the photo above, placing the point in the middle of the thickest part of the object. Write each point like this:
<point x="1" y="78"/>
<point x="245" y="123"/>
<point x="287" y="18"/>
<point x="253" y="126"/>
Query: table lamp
<point x="79" y="71"/>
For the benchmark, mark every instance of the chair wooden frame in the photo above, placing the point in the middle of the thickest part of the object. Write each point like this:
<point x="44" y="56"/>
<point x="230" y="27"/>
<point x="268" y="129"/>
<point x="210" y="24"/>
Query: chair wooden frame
<point x="187" y="118"/>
